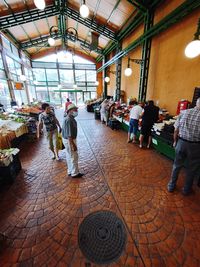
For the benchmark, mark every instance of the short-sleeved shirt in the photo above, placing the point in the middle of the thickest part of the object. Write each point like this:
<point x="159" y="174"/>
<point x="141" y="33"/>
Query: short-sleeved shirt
<point x="49" y="121"/>
<point x="188" y="124"/>
<point x="135" y="112"/>
<point x="69" y="128"/>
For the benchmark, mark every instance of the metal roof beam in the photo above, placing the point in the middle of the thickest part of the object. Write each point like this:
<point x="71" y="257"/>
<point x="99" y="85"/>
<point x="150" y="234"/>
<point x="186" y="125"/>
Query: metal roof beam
<point x="90" y="23"/>
<point x="139" y="5"/>
<point x="39" y="42"/>
<point x="176" y="15"/>
<point x="27" y="16"/>
<point x="35" y="14"/>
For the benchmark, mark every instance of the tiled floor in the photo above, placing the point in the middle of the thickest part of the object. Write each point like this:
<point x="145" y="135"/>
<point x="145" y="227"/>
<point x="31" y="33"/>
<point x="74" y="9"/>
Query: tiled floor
<point x="40" y="213"/>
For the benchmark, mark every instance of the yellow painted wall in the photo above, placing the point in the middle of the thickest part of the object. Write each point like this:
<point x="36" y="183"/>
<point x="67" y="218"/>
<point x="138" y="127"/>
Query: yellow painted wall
<point x="131" y="84"/>
<point x="112" y="83"/>
<point x="172" y="76"/>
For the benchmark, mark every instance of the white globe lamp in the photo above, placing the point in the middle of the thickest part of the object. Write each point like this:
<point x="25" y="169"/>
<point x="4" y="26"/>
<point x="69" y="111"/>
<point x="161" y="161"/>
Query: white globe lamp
<point x="51" y="41"/>
<point x="107" y="79"/>
<point x="84" y="11"/>
<point x="128" y="72"/>
<point x="192" y="50"/>
<point x="40" y="4"/>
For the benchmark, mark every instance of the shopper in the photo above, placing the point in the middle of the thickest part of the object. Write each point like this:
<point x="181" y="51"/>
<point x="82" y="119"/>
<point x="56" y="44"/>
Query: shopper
<point x="187" y="147"/>
<point x="48" y="118"/>
<point x="103" y="111"/>
<point x="149" y="116"/>
<point x="135" y="114"/>
<point x="69" y="134"/>
<point x="67" y="104"/>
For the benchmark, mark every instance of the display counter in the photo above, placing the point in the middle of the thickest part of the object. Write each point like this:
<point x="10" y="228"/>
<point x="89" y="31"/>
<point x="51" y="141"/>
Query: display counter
<point x="160" y="144"/>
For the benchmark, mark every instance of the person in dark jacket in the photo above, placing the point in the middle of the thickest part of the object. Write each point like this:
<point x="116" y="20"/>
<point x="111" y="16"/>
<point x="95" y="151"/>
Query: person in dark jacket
<point x="149" y="116"/>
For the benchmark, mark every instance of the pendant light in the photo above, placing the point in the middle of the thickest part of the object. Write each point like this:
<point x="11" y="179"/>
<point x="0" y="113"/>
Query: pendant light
<point x="40" y="4"/>
<point x="84" y="10"/>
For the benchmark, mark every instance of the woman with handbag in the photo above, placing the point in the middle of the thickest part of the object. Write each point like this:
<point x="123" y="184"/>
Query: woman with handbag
<point x="48" y="118"/>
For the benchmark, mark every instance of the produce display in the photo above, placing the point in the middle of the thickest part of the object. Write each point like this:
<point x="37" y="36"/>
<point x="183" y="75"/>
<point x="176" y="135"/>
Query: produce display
<point x="6" y="156"/>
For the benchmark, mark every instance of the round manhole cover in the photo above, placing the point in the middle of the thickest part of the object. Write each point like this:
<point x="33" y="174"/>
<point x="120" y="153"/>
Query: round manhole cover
<point x="102" y="237"/>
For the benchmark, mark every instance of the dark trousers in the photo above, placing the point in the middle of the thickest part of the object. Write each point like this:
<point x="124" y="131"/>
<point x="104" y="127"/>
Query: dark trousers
<point x="188" y="155"/>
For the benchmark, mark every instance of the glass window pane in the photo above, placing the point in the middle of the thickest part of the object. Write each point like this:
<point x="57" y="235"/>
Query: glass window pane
<point x="1" y="62"/>
<point x="42" y="94"/>
<point x="80" y="75"/>
<point x="32" y="93"/>
<point x="66" y="76"/>
<point x="21" y="97"/>
<point x="40" y="75"/>
<point x="93" y="95"/>
<point x="6" y="43"/>
<point x="15" y="50"/>
<point x="11" y="64"/>
<point x="52" y="74"/>
<point x="54" y="96"/>
<point x="91" y="75"/>
<point x="87" y="96"/>
<point x="4" y="94"/>
<point x="18" y="68"/>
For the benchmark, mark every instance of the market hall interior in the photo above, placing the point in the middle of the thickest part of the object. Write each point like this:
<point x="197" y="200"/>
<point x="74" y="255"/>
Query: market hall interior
<point x="42" y="210"/>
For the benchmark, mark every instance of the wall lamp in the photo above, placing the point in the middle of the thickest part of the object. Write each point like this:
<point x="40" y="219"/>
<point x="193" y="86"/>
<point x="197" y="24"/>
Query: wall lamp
<point x="128" y="71"/>
<point x="107" y="79"/>
<point x="84" y="10"/>
<point x="193" y="48"/>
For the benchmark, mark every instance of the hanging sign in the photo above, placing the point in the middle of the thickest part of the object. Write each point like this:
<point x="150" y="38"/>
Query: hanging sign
<point x="19" y="86"/>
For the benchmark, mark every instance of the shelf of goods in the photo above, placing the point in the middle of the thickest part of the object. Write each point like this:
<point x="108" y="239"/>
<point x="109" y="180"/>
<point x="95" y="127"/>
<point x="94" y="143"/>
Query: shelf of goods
<point x="13" y="127"/>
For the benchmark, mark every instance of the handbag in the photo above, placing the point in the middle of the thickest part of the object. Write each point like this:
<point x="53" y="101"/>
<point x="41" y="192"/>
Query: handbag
<point x="60" y="142"/>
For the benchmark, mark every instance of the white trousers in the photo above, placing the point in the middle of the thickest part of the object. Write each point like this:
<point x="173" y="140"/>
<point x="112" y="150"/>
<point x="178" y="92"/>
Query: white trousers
<point x="71" y="158"/>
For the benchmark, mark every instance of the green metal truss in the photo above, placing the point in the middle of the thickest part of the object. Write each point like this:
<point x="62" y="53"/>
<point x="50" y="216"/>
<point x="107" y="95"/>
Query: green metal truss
<point x="16" y="19"/>
<point x="176" y="15"/>
<point x="40" y="41"/>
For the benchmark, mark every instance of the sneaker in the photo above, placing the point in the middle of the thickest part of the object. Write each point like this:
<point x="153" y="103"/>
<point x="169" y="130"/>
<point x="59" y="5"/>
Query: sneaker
<point x="140" y="146"/>
<point x="53" y="157"/>
<point x="69" y="174"/>
<point x="171" y="188"/>
<point x="79" y="175"/>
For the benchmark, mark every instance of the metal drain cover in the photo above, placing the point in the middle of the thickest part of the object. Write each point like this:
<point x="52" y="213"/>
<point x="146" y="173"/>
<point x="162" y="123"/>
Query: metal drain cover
<point x="102" y="237"/>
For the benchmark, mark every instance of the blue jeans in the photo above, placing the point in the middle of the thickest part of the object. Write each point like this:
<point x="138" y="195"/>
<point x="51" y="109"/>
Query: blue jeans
<point x="133" y="126"/>
<point x="188" y="155"/>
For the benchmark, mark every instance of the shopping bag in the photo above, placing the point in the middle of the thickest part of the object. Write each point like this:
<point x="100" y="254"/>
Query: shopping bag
<point x="60" y="142"/>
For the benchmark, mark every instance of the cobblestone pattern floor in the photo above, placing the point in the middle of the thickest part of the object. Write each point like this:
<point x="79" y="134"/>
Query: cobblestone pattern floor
<point x="41" y="212"/>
